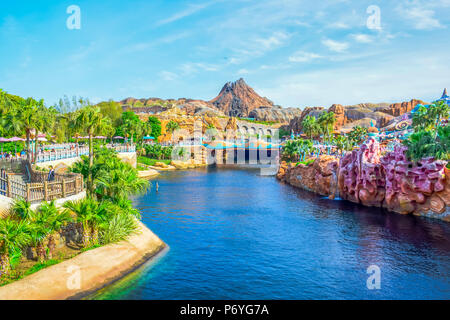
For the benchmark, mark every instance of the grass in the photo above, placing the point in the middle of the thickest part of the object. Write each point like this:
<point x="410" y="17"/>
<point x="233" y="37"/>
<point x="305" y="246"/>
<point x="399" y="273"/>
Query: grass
<point x="151" y="162"/>
<point x="306" y="162"/>
<point x="268" y="123"/>
<point x="19" y="274"/>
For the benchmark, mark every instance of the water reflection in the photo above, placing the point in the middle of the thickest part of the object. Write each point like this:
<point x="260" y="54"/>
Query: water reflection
<point x="237" y="235"/>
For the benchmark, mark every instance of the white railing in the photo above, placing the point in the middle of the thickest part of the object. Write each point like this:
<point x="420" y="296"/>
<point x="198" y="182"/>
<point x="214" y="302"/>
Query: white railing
<point x="60" y="154"/>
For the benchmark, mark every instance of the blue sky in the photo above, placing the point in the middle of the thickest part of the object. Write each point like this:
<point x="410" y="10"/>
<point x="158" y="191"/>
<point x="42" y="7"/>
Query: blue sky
<point x="297" y="53"/>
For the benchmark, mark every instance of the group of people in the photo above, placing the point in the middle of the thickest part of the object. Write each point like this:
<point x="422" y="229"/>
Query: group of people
<point x="13" y="155"/>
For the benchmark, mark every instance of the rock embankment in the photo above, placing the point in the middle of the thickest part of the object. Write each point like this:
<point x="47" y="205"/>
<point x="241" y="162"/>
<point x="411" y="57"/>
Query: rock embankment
<point x="390" y="181"/>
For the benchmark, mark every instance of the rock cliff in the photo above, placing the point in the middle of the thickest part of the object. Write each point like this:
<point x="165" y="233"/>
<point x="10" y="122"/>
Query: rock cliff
<point x="389" y="181"/>
<point x="237" y="99"/>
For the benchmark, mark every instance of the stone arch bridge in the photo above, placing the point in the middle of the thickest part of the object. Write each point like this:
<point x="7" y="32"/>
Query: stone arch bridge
<point x="251" y="129"/>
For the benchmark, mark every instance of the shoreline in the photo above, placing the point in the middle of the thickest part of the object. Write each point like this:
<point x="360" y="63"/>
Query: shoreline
<point x="89" y="271"/>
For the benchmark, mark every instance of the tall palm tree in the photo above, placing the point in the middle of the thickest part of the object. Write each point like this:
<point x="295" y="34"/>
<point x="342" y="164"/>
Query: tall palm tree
<point x="171" y="127"/>
<point x="327" y="121"/>
<point x="310" y="126"/>
<point x="90" y="120"/>
<point x="13" y="237"/>
<point x="24" y="119"/>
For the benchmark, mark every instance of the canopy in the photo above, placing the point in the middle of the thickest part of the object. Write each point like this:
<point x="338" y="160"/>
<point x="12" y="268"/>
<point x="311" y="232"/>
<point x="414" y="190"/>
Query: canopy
<point x="14" y="139"/>
<point x="99" y="137"/>
<point x="4" y="139"/>
<point x="149" y="138"/>
<point x="118" y="137"/>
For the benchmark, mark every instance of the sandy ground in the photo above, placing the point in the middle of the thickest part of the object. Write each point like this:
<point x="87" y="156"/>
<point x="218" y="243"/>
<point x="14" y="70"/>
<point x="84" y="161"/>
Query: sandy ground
<point x="148" y="174"/>
<point x="87" y="272"/>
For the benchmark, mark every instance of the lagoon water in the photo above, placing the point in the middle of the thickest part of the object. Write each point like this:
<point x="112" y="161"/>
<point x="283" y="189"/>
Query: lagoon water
<point x="234" y="234"/>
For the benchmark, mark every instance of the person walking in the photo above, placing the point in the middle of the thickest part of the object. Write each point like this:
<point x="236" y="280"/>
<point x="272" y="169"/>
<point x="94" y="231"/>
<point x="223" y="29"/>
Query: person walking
<point x="51" y="174"/>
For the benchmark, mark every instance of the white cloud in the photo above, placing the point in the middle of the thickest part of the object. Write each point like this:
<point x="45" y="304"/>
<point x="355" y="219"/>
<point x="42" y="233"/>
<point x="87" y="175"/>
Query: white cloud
<point x="421" y="18"/>
<point x="302" y="56"/>
<point x="363" y="38"/>
<point x="192" y="9"/>
<point x="243" y="71"/>
<point x="194" y="67"/>
<point x="371" y="81"/>
<point x="168" y="76"/>
<point x="335" y="45"/>
<point x="338" y="25"/>
<point x="275" y="40"/>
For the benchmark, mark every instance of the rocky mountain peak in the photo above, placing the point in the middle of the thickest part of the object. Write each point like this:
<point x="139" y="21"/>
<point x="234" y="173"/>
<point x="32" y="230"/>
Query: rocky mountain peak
<point x="238" y="99"/>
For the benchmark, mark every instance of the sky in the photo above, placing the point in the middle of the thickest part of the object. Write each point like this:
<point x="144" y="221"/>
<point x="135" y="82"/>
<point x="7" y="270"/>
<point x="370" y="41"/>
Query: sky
<point x="297" y="53"/>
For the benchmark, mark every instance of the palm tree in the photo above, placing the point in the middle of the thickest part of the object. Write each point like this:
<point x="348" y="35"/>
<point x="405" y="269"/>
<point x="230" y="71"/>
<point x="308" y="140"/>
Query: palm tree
<point x="90" y="120"/>
<point x="119" y="183"/>
<point x="21" y="209"/>
<point x="14" y="236"/>
<point x="45" y="120"/>
<point x="91" y="214"/>
<point x="56" y="220"/>
<point x="327" y="121"/>
<point x="24" y="119"/>
<point x="171" y="127"/>
<point x="310" y="126"/>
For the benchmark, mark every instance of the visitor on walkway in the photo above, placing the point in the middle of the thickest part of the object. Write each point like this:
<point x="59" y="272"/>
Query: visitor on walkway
<point x="51" y="174"/>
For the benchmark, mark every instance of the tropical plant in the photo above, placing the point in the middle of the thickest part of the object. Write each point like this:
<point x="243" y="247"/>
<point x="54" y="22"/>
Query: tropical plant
<point x="14" y="236"/>
<point x="171" y="127"/>
<point x="56" y="219"/>
<point x="155" y="126"/>
<point x="91" y="121"/>
<point x="429" y="143"/>
<point x="90" y="214"/>
<point x="326" y="122"/>
<point x="119" y="183"/>
<point x="25" y="119"/>
<point x="119" y="227"/>
<point x="357" y="135"/>
<point x="310" y="126"/>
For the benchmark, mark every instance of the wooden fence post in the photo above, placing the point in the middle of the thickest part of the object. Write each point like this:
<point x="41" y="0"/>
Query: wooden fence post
<point x="8" y="185"/>
<point x="45" y="190"/>
<point x="64" y="188"/>
<point x="28" y="192"/>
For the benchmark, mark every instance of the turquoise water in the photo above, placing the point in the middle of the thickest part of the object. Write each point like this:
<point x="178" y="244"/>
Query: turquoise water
<point x="234" y="234"/>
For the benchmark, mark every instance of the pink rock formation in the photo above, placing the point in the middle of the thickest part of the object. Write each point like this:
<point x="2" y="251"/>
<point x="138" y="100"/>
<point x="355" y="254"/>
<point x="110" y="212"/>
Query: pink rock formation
<point x="391" y="181"/>
<point x="411" y="186"/>
<point x="361" y="175"/>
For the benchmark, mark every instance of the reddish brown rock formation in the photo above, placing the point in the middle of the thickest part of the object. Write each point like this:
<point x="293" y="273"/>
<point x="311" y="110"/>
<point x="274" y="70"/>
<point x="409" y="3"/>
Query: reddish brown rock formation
<point x="318" y="177"/>
<point x="237" y="99"/>
<point x="397" y="109"/>
<point x="339" y="113"/>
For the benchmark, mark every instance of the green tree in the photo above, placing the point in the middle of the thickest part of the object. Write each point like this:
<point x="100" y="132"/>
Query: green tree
<point x="171" y="127"/>
<point x="91" y="121"/>
<point x="25" y="119"/>
<point x="357" y="135"/>
<point x="326" y="121"/>
<point x="310" y="126"/>
<point x="91" y="214"/>
<point x="155" y="125"/>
